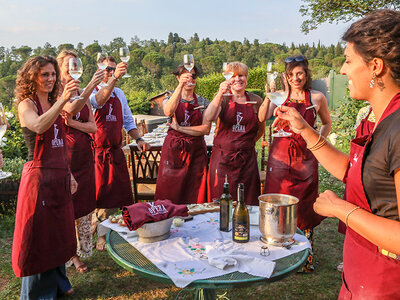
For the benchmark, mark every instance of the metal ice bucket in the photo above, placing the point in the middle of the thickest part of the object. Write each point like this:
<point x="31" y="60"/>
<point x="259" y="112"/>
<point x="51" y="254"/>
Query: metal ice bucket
<point x="278" y="219"/>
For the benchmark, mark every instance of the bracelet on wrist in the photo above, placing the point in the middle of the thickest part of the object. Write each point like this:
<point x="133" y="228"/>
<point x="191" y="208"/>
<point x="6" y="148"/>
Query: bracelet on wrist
<point x="349" y="213"/>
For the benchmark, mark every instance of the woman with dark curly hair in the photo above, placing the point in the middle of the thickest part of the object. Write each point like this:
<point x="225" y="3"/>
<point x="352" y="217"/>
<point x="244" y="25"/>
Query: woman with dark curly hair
<point x="371" y="252"/>
<point x="44" y="236"/>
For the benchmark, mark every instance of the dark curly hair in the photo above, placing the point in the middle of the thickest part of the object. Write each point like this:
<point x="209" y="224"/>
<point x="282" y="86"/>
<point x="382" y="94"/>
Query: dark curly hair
<point x="27" y="75"/>
<point x="378" y="36"/>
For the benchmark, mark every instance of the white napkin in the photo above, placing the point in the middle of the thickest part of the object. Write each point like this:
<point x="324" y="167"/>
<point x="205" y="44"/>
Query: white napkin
<point x="227" y="255"/>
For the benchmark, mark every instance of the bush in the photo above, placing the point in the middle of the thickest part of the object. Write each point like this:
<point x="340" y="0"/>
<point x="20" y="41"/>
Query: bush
<point x="258" y="92"/>
<point x="15" y="166"/>
<point x="257" y="78"/>
<point x="14" y="145"/>
<point x="320" y="72"/>
<point x="208" y="85"/>
<point x="138" y="102"/>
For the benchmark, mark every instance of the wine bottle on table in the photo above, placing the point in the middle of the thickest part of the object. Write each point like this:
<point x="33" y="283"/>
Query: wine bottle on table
<point x="225" y="208"/>
<point x="241" y="221"/>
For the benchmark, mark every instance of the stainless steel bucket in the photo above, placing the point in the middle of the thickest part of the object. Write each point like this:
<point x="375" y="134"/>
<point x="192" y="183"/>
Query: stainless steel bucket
<point x="278" y="219"/>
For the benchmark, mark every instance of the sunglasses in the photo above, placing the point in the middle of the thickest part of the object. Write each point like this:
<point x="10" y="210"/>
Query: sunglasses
<point x="109" y="69"/>
<point x="294" y="58"/>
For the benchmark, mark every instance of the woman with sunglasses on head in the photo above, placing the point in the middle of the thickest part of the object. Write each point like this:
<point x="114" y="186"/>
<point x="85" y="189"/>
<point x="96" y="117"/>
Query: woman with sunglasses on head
<point x="44" y="235"/>
<point x="371" y="252"/>
<point x="238" y="129"/>
<point x="81" y="161"/>
<point x="184" y="153"/>
<point x="292" y="168"/>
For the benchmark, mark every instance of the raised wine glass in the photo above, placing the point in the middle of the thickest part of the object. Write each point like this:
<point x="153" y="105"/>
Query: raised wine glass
<point x="102" y="63"/>
<point x="227" y="75"/>
<point x="188" y="63"/>
<point x="75" y="68"/>
<point x="124" y="55"/>
<point x="278" y="97"/>
<point x="3" y="128"/>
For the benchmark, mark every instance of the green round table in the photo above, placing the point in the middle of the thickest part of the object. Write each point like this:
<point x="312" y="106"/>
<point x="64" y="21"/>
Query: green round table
<point x="133" y="260"/>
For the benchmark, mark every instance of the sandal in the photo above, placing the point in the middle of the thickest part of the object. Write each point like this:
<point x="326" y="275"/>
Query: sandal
<point x="80" y="266"/>
<point x="101" y="244"/>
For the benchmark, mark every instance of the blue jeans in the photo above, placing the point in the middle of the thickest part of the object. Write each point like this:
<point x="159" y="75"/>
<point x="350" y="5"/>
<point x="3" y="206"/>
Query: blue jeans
<point x="45" y="286"/>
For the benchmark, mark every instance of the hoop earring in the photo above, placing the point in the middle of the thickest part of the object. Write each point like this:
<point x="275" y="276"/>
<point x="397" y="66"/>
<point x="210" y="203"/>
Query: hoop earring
<point x="372" y="83"/>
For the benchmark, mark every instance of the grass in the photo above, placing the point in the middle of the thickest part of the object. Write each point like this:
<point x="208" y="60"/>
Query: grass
<point x="107" y="280"/>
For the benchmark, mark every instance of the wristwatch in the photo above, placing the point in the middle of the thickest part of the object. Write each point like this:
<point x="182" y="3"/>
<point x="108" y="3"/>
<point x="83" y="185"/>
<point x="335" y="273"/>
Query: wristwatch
<point x="113" y="76"/>
<point x="139" y="139"/>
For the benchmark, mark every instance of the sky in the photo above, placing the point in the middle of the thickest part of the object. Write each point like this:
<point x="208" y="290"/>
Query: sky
<point x="35" y="22"/>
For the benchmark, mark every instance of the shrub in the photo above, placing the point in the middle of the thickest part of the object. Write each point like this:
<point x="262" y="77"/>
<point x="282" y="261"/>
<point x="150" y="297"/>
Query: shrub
<point x="15" y="166"/>
<point x="257" y="78"/>
<point x="208" y="85"/>
<point x="138" y="102"/>
<point x="14" y="145"/>
<point x="258" y="92"/>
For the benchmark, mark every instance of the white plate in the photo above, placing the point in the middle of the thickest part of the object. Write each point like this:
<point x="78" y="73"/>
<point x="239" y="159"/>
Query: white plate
<point x="4" y="175"/>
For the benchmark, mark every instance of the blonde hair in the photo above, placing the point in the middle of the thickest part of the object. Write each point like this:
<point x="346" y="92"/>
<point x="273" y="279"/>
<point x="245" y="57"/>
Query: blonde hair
<point x="63" y="54"/>
<point x="238" y="68"/>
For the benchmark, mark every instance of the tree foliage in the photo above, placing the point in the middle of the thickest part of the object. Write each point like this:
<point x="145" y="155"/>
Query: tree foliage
<point x="321" y="11"/>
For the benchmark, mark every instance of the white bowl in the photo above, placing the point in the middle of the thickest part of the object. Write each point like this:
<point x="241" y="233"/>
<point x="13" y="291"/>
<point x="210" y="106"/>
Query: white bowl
<point x="154" y="232"/>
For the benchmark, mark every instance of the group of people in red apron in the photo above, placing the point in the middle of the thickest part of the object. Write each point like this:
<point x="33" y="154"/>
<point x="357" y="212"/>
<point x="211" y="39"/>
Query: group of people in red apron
<point x="371" y="253"/>
<point x="75" y="166"/>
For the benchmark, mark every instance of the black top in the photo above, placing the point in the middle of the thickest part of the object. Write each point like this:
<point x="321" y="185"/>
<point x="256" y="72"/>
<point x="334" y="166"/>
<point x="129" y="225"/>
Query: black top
<point x="381" y="159"/>
<point x="30" y="138"/>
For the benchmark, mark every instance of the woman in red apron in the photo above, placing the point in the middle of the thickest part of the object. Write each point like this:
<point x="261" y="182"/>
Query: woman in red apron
<point x="184" y="153"/>
<point x="291" y="168"/>
<point x="371" y="252"/>
<point x="81" y="161"/>
<point x="44" y="236"/>
<point x="238" y="129"/>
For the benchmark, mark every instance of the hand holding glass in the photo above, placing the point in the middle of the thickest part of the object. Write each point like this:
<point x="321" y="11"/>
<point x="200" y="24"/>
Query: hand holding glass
<point x="278" y="97"/>
<point x="124" y="55"/>
<point x="188" y="63"/>
<point x="75" y="70"/>
<point x="227" y="75"/>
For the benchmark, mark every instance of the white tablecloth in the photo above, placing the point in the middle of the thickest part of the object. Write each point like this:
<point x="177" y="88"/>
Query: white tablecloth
<point x="186" y="255"/>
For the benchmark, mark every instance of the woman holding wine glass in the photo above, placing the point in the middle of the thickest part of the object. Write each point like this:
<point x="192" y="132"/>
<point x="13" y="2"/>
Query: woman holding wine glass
<point x="371" y="251"/>
<point x="292" y="168"/>
<point x="81" y="161"/>
<point x="238" y="129"/>
<point x="184" y="153"/>
<point x="44" y="235"/>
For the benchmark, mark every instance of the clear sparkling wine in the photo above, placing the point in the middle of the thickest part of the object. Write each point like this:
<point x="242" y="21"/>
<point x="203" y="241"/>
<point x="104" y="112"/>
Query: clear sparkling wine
<point x="102" y="66"/>
<point x="75" y="74"/>
<point x="228" y="75"/>
<point x="189" y="67"/>
<point x="125" y="59"/>
<point x="278" y="98"/>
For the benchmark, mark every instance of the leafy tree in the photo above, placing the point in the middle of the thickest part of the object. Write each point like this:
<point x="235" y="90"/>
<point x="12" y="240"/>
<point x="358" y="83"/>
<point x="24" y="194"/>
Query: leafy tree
<point x="321" y="11"/>
<point x="23" y="53"/>
<point x="92" y="49"/>
<point x="211" y="64"/>
<point x="153" y="61"/>
<point x="7" y="86"/>
<point x="62" y="47"/>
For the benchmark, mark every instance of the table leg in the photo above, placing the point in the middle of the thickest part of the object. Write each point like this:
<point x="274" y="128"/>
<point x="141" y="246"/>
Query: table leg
<point x="204" y="294"/>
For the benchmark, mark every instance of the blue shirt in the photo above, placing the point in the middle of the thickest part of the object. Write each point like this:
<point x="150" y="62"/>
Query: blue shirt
<point x="128" y="123"/>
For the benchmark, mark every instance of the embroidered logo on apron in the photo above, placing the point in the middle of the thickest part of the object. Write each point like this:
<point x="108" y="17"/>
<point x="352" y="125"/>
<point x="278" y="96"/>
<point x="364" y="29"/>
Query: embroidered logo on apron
<point x="238" y="127"/>
<point x="187" y="116"/>
<point x="56" y="143"/>
<point x="110" y="117"/>
<point x="157" y="209"/>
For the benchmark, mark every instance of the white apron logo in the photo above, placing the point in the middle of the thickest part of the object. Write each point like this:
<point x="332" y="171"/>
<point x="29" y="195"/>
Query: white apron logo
<point x="110" y="117"/>
<point x="157" y="209"/>
<point x="238" y="127"/>
<point x="187" y="116"/>
<point x="56" y="143"/>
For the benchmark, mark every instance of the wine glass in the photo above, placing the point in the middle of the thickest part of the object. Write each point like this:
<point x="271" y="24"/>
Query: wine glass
<point x="124" y="55"/>
<point x="3" y="128"/>
<point x="188" y="63"/>
<point x="227" y="75"/>
<point x="278" y="97"/>
<point x="102" y="63"/>
<point x="75" y="68"/>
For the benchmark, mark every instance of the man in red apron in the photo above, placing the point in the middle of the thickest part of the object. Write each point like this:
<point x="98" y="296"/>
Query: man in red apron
<point x="44" y="236"/>
<point x="112" y="113"/>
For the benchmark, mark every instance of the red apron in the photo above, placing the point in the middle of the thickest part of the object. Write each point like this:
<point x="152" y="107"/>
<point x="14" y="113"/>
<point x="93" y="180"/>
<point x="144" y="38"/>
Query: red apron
<point x="367" y="274"/>
<point x="364" y="129"/>
<point x="183" y="161"/>
<point x="44" y="235"/>
<point x="113" y="185"/>
<point x="293" y="170"/>
<point x="234" y="153"/>
<point x="81" y="162"/>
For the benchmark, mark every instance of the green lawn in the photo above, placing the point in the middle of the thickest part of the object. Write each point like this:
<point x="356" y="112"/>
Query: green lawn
<point x="106" y="280"/>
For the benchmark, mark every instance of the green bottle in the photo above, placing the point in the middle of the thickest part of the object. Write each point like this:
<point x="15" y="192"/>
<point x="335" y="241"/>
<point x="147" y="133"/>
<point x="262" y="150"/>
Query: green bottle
<point x="241" y="220"/>
<point x="225" y="208"/>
